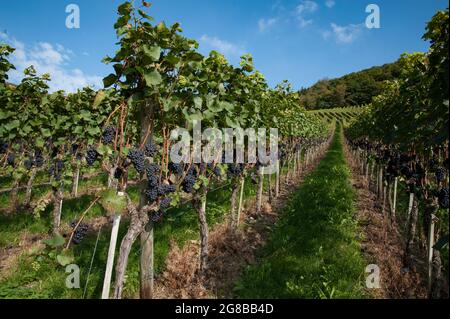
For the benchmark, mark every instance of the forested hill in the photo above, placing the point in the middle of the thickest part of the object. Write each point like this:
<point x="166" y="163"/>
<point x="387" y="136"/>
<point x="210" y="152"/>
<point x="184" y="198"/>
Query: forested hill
<point x="352" y="89"/>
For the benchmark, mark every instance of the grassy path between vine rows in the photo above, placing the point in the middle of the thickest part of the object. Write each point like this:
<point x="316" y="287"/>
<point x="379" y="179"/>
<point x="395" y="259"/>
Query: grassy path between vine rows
<point x="314" y="250"/>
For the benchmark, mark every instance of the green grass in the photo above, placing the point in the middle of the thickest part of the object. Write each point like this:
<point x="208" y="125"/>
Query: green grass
<point x="313" y="252"/>
<point x="38" y="274"/>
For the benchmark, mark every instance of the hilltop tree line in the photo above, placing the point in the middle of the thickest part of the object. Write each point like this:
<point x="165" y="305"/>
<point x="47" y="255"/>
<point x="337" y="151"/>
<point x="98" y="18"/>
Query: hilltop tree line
<point x="353" y="89"/>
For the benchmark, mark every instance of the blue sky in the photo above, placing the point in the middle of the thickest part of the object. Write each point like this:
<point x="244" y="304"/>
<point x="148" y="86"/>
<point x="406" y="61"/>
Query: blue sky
<point x="298" y="40"/>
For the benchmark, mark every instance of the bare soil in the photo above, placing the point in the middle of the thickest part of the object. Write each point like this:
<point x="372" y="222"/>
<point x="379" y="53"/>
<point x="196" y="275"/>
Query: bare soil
<point x="383" y="244"/>
<point x="9" y="256"/>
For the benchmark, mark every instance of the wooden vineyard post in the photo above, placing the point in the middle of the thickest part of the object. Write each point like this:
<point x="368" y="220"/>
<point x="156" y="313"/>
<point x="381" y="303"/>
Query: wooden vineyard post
<point x="377" y="180"/>
<point x="286" y="165"/>
<point x="410" y="205"/>
<point x="13" y="195"/>
<point x="111" y="253"/>
<point x="200" y="206"/>
<point x="394" y="206"/>
<point x="362" y="162"/>
<point x="234" y="192"/>
<point x="76" y="178"/>
<point x="146" y="258"/>
<point x="291" y="167"/>
<point x="57" y="209"/>
<point x="297" y="164"/>
<point x="30" y="186"/>
<point x="260" y="189"/>
<point x="380" y="182"/>
<point x="413" y="213"/>
<point x="366" y="172"/>
<point x="430" y="251"/>
<point x="146" y="262"/>
<point x="241" y="197"/>
<point x="277" y="179"/>
<point x="270" y="188"/>
<point x="371" y="176"/>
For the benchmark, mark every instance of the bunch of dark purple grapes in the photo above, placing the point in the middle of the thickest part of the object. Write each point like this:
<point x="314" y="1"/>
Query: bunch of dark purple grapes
<point x="215" y="169"/>
<point x="38" y="158"/>
<point x="91" y="155"/>
<point x="80" y="232"/>
<point x="137" y="158"/>
<point x="443" y="198"/>
<point x="190" y="180"/>
<point x="75" y="152"/>
<point x="108" y="135"/>
<point x="56" y="169"/>
<point x="440" y="174"/>
<point x="157" y="216"/>
<point x="419" y="172"/>
<point x="150" y="149"/>
<point x="3" y="147"/>
<point x="406" y="171"/>
<point x="433" y="164"/>
<point x="235" y="169"/>
<point x="176" y="168"/>
<point x="393" y="166"/>
<point x="152" y="171"/>
<point x="74" y="149"/>
<point x="154" y="188"/>
<point x="11" y="159"/>
<point x="163" y="206"/>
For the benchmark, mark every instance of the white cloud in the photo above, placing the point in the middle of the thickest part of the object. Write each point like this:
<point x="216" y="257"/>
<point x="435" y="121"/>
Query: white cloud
<point x="46" y="53"/>
<point x="304" y="22"/>
<point x="346" y="34"/>
<point x="51" y="59"/>
<point x="305" y="8"/>
<point x="330" y="3"/>
<point x="264" y="24"/>
<point x="222" y="46"/>
<point x="326" y="34"/>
